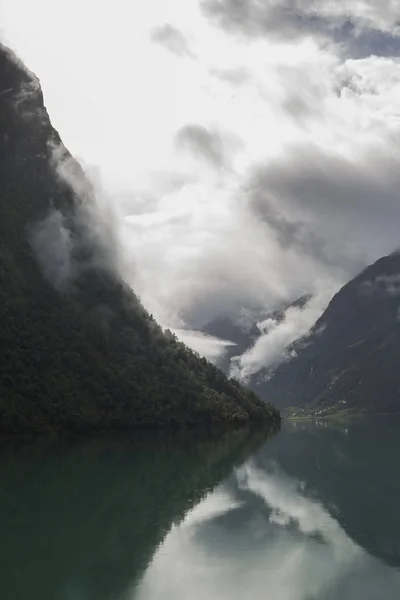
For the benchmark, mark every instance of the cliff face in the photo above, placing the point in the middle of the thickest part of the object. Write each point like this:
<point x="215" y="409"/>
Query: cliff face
<point x="351" y="359"/>
<point x="77" y="350"/>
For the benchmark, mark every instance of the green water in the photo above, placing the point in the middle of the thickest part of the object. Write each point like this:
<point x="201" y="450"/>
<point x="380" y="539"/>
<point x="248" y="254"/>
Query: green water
<point x="312" y="513"/>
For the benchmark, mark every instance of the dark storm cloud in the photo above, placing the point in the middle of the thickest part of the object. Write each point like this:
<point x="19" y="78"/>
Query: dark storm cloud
<point x="254" y="18"/>
<point x="293" y="233"/>
<point x="206" y="144"/>
<point x="293" y="19"/>
<point x="360" y="44"/>
<point x="171" y="38"/>
<point x="340" y="212"/>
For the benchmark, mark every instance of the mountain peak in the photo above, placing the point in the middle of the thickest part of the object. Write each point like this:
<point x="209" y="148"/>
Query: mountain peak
<point x="351" y="359"/>
<point x="88" y="355"/>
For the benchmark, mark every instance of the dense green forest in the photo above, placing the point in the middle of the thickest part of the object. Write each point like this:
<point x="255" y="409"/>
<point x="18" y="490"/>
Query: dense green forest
<point x="77" y="349"/>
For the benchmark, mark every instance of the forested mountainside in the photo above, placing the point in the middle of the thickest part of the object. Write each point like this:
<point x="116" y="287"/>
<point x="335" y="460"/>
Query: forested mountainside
<point x="351" y="359"/>
<point x="77" y="349"/>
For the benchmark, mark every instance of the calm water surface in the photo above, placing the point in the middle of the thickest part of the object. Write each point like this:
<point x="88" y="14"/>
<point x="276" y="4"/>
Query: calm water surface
<point x="309" y="514"/>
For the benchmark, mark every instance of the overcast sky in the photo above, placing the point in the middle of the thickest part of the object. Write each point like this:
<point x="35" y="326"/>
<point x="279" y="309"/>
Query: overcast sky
<point x="252" y="148"/>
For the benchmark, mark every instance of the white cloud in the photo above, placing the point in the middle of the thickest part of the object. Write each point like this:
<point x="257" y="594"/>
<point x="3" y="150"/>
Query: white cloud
<point x="303" y="130"/>
<point x="270" y="348"/>
<point x="206" y="345"/>
<point x="52" y="243"/>
<point x="387" y="284"/>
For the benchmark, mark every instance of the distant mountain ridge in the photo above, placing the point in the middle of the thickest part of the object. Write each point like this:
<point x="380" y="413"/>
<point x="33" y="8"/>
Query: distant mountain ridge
<point x="351" y="359"/>
<point x="77" y="349"/>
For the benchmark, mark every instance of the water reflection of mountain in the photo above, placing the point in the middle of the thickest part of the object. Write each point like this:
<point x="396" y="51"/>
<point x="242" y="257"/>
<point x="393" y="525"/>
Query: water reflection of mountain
<point x="312" y="516"/>
<point x="353" y="471"/>
<point x="80" y="519"/>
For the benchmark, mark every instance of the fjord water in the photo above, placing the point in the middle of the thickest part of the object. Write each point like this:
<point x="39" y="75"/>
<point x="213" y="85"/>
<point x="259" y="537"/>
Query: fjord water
<point x="310" y="513"/>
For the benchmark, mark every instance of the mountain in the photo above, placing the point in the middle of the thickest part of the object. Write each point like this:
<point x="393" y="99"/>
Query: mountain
<point x="77" y="349"/>
<point x="244" y="333"/>
<point x="351" y="358"/>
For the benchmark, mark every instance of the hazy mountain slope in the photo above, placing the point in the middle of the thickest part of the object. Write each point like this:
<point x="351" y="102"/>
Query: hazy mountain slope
<point x="352" y="357"/>
<point x="242" y="338"/>
<point x="244" y="333"/>
<point x="77" y="349"/>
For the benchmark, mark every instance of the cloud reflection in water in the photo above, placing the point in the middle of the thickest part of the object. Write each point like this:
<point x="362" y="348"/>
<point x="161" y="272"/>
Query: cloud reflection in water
<point x="259" y="536"/>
